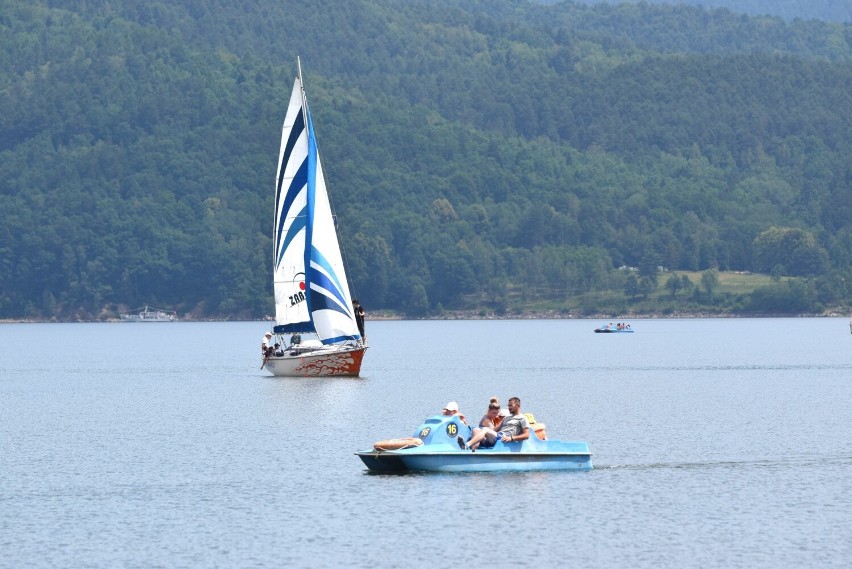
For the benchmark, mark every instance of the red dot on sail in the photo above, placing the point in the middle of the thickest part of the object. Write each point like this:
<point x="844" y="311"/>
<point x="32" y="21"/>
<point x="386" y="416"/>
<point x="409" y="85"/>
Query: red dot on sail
<point x="301" y="286"/>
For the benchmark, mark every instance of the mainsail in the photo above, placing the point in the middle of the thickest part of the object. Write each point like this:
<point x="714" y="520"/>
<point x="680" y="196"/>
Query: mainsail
<point x="311" y="290"/>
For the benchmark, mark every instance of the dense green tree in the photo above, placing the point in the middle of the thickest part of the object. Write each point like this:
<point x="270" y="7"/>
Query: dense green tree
<point x="710" y="281"/>
<point x="790" y="250"/>
<point x="791" y="296"/>
<point x="674" y="284"/>
<point x="646" y="286"/>
<point x="632" y="286"/>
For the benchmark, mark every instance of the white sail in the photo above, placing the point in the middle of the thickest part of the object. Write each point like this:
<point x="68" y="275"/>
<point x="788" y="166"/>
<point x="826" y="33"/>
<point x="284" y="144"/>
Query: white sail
<point x="291" y="189"/>
<point x="311" y="290"/>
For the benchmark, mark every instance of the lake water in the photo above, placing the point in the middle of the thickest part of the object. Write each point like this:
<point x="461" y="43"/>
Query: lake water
<point x="717" y="443"/>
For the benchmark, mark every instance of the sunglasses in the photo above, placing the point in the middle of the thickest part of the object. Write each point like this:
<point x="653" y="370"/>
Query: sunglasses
<point x="493" y="408"/>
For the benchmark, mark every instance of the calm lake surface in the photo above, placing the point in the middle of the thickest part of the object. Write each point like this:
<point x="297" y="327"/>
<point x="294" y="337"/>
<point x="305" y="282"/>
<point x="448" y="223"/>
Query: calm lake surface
<point x="717" y="443"/>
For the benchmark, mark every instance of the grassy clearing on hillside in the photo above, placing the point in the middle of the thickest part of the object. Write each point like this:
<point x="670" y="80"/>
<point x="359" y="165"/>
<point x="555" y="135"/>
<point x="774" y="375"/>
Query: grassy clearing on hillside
<point x="733" y="283"/>
<point x="731" y="288"/>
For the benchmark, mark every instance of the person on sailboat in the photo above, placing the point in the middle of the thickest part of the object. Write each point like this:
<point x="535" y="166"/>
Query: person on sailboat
<point x="359" y="317"/>
<point x="264" y="345"/>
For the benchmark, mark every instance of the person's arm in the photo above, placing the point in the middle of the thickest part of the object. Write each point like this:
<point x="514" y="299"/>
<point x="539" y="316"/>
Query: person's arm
<point x="525" y="434"/>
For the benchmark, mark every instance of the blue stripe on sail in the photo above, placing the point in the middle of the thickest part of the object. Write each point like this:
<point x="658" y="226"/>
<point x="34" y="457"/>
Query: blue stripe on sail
<point x="320" y="301"/>
<point x="295" y="132"/>
<point x="299" y="181"/>
<point x="333" y="285"/>
<point x="295" y="227"/>
<point x="340" y="339"/>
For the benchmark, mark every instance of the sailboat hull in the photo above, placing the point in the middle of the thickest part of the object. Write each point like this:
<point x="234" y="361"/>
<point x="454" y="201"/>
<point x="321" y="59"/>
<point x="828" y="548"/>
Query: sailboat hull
<point x="333" y="362"/>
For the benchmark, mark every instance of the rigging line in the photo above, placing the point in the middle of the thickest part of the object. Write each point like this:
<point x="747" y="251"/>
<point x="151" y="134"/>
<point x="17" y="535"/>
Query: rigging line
<point x="345" y="258"/>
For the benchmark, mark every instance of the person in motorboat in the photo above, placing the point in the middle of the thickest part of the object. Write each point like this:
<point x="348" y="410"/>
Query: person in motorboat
<point x="492" y="418"/>
<point x="488" y="425"/>
<point x="514" y="427"/>
<point x="452" y="408"/>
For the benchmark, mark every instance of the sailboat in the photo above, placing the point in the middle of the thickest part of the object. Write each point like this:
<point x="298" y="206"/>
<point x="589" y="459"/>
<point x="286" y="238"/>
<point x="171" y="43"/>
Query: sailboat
<point x="316" y="331"/>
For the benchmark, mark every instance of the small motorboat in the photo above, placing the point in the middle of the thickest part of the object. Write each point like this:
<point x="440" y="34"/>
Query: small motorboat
<point x="437" y="447"/>
<point x="148" y="314"/>
<point x="610" y="329"/>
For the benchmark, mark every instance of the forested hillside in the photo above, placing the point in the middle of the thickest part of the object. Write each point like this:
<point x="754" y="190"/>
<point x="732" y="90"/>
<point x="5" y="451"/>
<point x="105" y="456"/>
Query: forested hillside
<point x="479" y="153"/>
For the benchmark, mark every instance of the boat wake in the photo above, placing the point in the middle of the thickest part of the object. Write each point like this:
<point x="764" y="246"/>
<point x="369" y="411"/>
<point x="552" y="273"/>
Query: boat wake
<point x="708" y="367"/>
<point x="797" y="462"/>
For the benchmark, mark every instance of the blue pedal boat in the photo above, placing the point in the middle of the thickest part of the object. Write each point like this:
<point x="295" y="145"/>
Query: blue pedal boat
<point x="435" y="448"/>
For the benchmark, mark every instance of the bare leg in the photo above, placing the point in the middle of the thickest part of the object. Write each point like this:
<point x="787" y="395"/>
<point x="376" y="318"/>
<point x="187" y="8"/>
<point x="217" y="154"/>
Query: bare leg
<point x="478" y="436"/>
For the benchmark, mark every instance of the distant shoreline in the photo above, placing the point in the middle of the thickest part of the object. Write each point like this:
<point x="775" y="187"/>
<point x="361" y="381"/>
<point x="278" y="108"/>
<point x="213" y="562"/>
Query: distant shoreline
<point x="472" y="315"/>
<point x="557" y="315"/>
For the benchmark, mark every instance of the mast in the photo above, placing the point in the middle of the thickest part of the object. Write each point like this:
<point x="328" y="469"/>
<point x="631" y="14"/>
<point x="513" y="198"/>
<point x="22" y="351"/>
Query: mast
<point x="313" y="161"/>
<point x="302" y="89"/>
